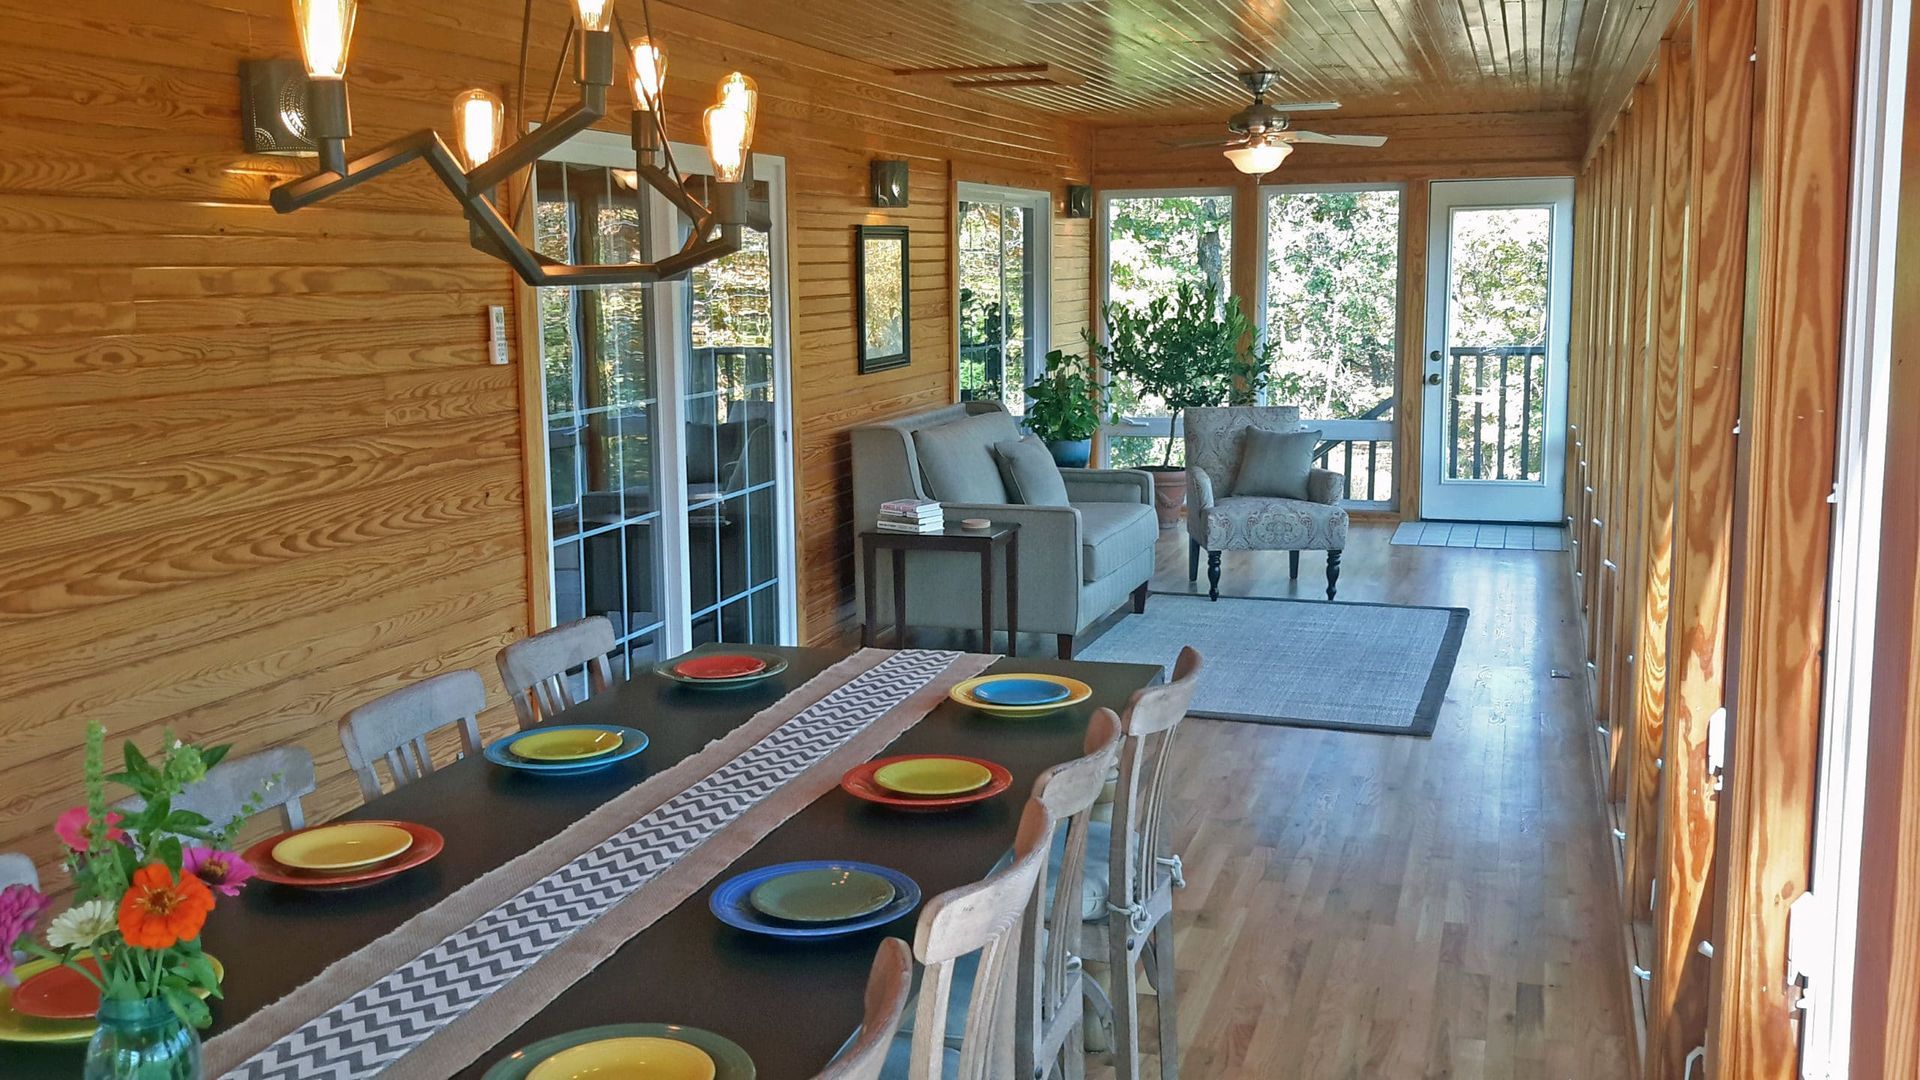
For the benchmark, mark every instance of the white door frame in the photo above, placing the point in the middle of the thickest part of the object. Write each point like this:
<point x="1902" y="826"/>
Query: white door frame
<point x="668" y="331"/>
<point x="1497" y="500"/>
<point x="1040" y="251"/>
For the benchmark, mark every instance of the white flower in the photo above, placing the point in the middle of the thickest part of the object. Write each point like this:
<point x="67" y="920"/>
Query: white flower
<point x="82" y="925"/>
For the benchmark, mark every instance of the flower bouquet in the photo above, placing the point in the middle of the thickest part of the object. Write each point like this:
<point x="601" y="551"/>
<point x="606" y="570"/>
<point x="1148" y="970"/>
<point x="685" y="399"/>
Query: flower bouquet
<point x="145" y="881"/>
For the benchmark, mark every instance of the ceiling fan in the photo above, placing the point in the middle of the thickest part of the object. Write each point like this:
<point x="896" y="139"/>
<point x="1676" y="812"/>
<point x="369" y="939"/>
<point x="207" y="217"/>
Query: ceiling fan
<point x="1262" y="135"/>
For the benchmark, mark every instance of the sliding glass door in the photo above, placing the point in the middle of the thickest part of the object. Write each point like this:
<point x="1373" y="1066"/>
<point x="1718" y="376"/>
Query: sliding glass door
<point x="669" y="476"/>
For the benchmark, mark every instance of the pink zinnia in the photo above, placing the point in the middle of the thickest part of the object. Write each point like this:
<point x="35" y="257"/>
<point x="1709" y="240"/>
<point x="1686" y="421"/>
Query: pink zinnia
<point x="223" y="871"/>
<point x="71" y="828"/>
<point x="20" y="905"/>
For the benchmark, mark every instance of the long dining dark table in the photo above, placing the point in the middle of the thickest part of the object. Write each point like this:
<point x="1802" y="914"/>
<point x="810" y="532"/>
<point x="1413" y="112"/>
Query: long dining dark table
<point x="791" y="1005"/>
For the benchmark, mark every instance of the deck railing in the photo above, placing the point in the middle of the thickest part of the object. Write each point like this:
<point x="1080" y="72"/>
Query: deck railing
<point x="1369" y="472"/>
<point x="1496" y="404"/>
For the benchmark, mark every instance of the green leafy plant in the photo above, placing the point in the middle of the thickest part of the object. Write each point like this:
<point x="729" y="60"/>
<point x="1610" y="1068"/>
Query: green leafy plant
<point x="1067" y="404"/>
<point x="1187" y="349"/>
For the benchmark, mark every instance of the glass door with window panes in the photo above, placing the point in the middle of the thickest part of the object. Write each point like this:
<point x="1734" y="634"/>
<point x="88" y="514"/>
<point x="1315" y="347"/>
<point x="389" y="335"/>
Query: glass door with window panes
<point x="667" y="427"/>
<point x="1003" y="246"/>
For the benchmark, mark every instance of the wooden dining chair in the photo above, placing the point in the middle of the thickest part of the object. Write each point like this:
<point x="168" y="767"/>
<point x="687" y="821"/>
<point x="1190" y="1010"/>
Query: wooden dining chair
<point x="535" y="668"/>
<point x="983" y="920"/>
<point x="17" y="869"/>
<point x="889" y="986"/>
<point x="1128" y="911"/>
<point x="241" y="787"/>
<point x="393" y="728"/>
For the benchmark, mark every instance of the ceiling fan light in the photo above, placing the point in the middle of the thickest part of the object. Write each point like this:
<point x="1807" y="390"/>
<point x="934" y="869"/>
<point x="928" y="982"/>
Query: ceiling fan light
<point x="1260" y="157"/>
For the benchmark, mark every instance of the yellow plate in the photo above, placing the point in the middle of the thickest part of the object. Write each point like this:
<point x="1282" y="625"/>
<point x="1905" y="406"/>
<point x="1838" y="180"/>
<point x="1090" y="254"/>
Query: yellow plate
<point x="15" y="1027"/>
<point x="627" y="1059"/>
<point x="346" y="846"/>
<point x="572" y="744"/>
<point x="933" y="776"/>
<point x="1077" y="693"/>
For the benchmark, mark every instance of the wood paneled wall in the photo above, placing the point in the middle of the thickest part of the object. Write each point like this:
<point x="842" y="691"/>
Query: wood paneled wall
<point x="1707" y="322"/>
<point x="256" y="469"/>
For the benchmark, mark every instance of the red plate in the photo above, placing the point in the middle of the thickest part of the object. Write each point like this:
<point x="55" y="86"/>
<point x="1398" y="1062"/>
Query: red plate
<point x="719" y="666"/>
<point x="859" y="783"/>
<point x="59" y="993"/>
<point x="427" y="842"/>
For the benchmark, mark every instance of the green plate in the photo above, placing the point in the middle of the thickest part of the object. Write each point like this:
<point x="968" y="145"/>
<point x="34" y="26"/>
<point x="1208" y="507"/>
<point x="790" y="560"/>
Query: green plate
<point x="822" y="896"/>
<point x="933" y="776"/>
<point x="730" y="1062"/>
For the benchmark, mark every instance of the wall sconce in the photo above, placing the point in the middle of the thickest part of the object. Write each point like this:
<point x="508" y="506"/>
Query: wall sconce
<point x="889" y="183"/>
<point x="273" y="108"/>
<point x="1079" y="200"/>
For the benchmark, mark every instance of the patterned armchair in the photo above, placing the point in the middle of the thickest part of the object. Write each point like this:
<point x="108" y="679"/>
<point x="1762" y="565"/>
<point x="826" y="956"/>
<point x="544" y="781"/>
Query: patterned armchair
<point x="1218" y="520"/>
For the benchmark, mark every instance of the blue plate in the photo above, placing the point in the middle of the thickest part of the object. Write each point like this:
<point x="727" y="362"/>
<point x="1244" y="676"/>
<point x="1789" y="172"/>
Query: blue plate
<point x="632" y="741"/>
<point x="731" y="906"/>
<point x="1020" y="692"/>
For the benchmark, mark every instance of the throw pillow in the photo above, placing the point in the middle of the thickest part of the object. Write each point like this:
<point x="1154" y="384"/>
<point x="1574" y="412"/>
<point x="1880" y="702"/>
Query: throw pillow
<point x="1275" y="464"/>
<point x="1030" y="474"/>
<point x="956" y="459"/>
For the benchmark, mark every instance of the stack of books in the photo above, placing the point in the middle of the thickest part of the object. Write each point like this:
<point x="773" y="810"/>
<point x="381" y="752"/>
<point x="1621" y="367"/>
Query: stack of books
<point x="911" y="516"/>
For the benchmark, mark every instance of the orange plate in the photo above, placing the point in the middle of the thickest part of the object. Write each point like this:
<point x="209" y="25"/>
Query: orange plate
<point x="427" y="843"/>
<point x="719" y="666"/>
<point x="859" y="783"/>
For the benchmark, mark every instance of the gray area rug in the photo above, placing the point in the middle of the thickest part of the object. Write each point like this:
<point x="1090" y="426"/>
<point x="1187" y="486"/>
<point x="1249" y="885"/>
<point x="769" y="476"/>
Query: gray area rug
<point x="1381" y="668"/>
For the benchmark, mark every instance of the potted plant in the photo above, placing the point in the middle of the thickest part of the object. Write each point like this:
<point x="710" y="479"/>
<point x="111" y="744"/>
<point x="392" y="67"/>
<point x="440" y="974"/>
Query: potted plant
<point x="1190" y="351"/>
<point x="144" y="882"/>
<point x="1064" y="408"/>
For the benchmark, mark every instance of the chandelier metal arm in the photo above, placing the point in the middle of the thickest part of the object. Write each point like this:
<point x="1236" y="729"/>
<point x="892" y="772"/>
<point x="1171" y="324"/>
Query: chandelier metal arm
<point x="424" y="144"/>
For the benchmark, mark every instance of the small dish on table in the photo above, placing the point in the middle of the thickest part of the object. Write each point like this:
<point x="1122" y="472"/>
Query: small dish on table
<point x="56" y="993"/>
<point x="1020" y="693"/>
<point x="722" y="667"/>
<point x="862" y="782"/>
<point x="566" y="738"/>
<point x="628" y="1050"/>
<point x="733" y="902"/>
<point x="424" y="843"/>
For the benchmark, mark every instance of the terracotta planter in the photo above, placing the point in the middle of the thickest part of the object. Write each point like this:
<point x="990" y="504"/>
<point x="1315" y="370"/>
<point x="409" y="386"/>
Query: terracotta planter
<point x="1169" y="495"/>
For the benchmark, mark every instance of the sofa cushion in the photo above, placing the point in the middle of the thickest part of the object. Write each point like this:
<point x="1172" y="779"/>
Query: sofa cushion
<point x="1112" y="535"/>
<point x="956" y="460"/>
<point x="1030" y="474"/>
<point x="1275" y="464"/>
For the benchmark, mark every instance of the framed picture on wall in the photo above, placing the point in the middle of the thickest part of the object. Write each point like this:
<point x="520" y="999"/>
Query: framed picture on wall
<point x="884" y="298"/>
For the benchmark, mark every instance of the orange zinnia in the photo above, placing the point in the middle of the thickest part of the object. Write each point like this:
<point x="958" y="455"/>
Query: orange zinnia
<point x="158" y="911"/>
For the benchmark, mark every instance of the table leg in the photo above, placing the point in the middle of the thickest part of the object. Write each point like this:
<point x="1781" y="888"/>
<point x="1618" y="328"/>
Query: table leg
<point x="867" y="554"/>
<point x="1013" y="593"/>
<point x="986" y="598"/>
<point x="900" y="598"/>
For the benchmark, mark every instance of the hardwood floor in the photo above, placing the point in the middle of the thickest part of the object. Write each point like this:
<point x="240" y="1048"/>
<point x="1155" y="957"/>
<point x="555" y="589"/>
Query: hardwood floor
<point x="1387" y="907"/>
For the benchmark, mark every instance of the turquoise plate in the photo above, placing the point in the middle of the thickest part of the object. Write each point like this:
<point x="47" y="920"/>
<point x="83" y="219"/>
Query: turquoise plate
<point x="729" y="1061"/>
<point x="1021" y="692"/>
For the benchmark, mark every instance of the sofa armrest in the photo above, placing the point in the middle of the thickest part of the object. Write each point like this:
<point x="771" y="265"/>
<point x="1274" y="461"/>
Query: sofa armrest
<point x="1326" y="486"/>
<point x="1108" y="485"/>
<point x="1049" y="553"/>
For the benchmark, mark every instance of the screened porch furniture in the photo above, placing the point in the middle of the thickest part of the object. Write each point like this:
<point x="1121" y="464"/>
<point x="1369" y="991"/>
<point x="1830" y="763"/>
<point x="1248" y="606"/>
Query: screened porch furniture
<point x="1218" y="520"/>
<point x="393" y="728"/>
<point x="275" y="778"/>
<point x="889" y="989"/>
<point x="535" y="668"/>
<point x="1001" y="536"/>
<point x="1078" y="561"/>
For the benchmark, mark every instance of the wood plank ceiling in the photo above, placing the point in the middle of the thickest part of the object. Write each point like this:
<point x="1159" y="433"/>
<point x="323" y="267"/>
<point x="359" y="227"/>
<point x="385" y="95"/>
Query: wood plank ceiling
<point x="1170" y="60"/>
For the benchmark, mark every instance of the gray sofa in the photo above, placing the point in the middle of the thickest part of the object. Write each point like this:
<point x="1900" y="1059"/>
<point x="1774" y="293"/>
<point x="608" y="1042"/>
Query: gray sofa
<point x="1077" y="562"/>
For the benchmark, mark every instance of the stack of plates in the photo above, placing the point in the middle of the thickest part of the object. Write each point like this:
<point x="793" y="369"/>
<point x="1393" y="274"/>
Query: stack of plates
<point x="56" y="1004"/>
<point x="926" y="782"/>
<point x="567" y="749"/>
<point x="723" y="668"/>
<point x="1020" y="694"/>
<point x="629" y="1051"/>
<point x="814" y="899"/>
<point x="345" y="855"/>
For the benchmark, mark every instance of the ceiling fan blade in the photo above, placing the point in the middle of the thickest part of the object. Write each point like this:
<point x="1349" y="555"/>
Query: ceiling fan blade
<point x="1212" y="140"/>
<point x="1303" y="106"/>
<point x="1336" y="140"/>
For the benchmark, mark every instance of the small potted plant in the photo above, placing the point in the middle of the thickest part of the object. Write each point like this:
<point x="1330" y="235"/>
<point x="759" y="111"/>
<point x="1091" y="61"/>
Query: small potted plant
<point x="1065" y="408"/>
<point x="144" y="882"/>
<point x="1190" y="351"/>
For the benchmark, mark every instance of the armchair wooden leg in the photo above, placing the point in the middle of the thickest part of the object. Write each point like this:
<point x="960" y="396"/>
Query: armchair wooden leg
<point x="1193" y="559"/>
<point x="1140" y="599"/>
<point x="1333" y="571"/>
<point x="1293" y="565"/>
<point x="1066" y="646"/>
<point x="1213" y="575"/>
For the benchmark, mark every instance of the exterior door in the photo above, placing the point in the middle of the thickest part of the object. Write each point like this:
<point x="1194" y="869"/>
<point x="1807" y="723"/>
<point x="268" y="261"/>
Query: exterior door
<point x="1499" y="283"/>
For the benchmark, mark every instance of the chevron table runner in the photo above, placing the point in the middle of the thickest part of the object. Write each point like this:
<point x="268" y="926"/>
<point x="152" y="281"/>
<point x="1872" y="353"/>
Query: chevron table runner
<point x="429" y="998"/>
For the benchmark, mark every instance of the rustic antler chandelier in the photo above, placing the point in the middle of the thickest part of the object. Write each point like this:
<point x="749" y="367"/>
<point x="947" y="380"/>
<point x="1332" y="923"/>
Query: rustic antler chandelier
<point x="480" y="163"/>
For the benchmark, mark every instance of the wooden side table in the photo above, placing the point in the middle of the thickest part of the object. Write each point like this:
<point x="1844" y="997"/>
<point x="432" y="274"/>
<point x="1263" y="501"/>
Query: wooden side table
<point x="952" y="538"/>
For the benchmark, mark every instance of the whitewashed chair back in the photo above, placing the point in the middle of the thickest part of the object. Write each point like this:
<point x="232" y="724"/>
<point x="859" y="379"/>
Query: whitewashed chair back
<point x="1051" y="1010"/>
<point x="240" y="787"/>
<point x="1139" y="842"/>
<point x="17" y="869"/>
<point x="535" y="668"/>
<point x="889" y="986"/>
<point x="394" y="728"/>
<point x="981" y="918"/>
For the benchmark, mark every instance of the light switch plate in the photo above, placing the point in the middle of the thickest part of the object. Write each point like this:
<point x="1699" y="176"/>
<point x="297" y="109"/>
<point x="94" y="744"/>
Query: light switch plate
<point x="497" y="333"/>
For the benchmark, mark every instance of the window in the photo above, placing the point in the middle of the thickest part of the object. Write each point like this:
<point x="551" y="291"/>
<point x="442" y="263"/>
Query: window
<point x="1331" y="307"/>
<point x="1156" y="241"/>
<point x="1003" y="257"/>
